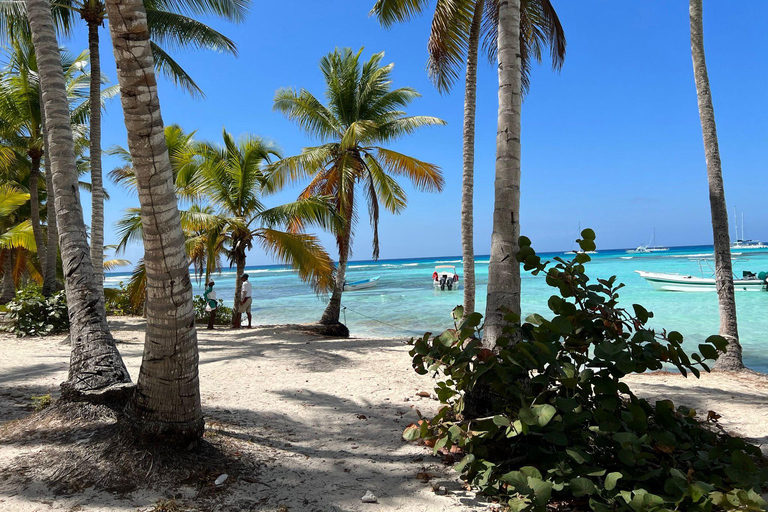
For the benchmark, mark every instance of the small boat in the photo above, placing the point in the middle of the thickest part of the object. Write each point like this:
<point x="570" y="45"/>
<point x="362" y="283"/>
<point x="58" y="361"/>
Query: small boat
<point x="672" y="282"/>
<point x="650" y="247"/>
<point x="362" y="284"/>
<point x="743" y="244"/>
<point x="578" y="235"/>
<point x="445" y="277"/>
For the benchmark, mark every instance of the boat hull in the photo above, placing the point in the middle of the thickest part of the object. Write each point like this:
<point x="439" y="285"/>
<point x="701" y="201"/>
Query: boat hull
<point x="685" y="283"/>
<point x="361" y="285"/>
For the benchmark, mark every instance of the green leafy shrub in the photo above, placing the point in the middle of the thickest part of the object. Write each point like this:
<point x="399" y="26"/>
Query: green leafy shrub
<point x="32" y="314"/>
<point x="223" y="313"/>
<point x="117" y="302"/>
<point x="561" y="425"/>
<point x="42" y="402"/>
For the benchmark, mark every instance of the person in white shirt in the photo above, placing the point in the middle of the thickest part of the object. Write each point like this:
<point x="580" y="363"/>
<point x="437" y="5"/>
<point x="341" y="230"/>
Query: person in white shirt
<point x="246" y="298"/>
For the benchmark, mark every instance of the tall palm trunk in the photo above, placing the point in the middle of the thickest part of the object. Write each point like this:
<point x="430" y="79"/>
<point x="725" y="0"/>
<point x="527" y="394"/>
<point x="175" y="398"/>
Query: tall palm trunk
<point x="731" y="360"/>
<point x="34" y="205"/>
<point x="8" y="289"/>
<point x="343" y="240"/>
<point x="52" y="245"/>
<point x="95" y="364"/>
<point x="93" y="18"/>
<point x="504" y="270"/>
<point x="237" y="317"/>
<point x="167" y="399"/>
<point x="467" y="180"/>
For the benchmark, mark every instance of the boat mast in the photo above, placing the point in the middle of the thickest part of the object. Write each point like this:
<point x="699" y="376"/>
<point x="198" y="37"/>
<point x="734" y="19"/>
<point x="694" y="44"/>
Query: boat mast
<point x="742" y="226"/>
<point x="736" y="223"/>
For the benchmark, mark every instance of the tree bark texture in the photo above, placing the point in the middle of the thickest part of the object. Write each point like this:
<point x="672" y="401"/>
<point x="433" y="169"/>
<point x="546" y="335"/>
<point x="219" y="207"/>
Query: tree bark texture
<point x="467" y="180"/>
<point x="332" y="311"/>
<point x="166" y="404"/>
<point x="237" y="317"/>
<point x="95" y="364"/>
<point x="731" y="360"/>
<point x="97" y="188"/>
<point x="52" y="245"/>
<point x="504" y="270"/>
<point x="34" y="205"/>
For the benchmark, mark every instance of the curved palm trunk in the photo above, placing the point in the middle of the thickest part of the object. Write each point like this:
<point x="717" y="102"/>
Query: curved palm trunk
<point x="467" y="180"/>
<point x="52" y="246"/>
<point x="167" y="399"/>
<point x="8" y="289"/>
<point x="504" y="270"/>
<point x="731" y="360"/>
<point x="97" y="190"/>
<point x="34" y="206"/>
<point x="333" y="309"/>
<point x="95" y="364"/>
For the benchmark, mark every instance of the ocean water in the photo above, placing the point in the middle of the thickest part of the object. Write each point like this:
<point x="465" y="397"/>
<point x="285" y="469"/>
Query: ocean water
<point x="405" y="304"/>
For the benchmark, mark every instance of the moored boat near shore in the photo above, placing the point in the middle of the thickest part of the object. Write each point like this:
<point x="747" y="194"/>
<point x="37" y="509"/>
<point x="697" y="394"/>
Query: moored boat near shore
<point x="687" y="283"/>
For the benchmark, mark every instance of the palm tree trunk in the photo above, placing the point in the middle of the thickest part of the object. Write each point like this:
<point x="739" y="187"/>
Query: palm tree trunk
<point x="52" y="247"/>
<point x="34" y="206"/>
<point x="467" y="181"/>
<point x="333" y="309"/>
<point x="95" y="364"/>
<point x="504" y="270"/>
<point x="236" y="316"/>
<point x="97" y="190"/>
<point x="731" y="360"/>
<point x="166" y="404"/>
<point x="8" y="288"/>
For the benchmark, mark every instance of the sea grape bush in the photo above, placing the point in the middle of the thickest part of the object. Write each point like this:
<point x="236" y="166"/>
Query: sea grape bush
<point x="32" y="314"/>
<point x="223" y="313"/>
<point x="562" y="426"/>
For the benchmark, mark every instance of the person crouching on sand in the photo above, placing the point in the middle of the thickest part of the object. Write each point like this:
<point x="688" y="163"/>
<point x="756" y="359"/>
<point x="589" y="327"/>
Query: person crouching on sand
<point x="211" y="304"/>
<point x="246" y="292"/>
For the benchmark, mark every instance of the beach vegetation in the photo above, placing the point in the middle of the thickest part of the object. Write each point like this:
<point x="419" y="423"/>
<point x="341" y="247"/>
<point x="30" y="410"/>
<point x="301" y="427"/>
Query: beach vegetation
<point x="41" y="402"/>
<point x="362" y="116"/>
<point x="32" y="314"/>
<point x="560" y="423"/>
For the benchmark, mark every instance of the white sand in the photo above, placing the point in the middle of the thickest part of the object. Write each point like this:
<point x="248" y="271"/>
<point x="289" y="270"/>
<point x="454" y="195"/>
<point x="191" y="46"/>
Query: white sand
<point x="319" y="419"/>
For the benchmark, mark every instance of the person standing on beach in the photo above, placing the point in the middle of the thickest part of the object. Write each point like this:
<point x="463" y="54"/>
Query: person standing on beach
<point x="246" y="292"/>
<point x="211" y="304"/>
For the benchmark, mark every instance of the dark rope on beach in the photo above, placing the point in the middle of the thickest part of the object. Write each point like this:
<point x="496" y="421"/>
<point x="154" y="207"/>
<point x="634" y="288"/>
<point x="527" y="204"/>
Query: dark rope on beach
<point x="399" y="328"/>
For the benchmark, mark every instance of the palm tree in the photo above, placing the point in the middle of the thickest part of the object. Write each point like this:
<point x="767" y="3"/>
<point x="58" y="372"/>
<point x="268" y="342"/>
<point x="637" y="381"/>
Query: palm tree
<point x="731" y="359"/>
<point x="233" y="179"/>
<point x="170" y="24"/>
<point x="503" y="269"/>
<point x="457" y="28"/>
<point x="13" y="235"/>
<point x="95" y="364"/>
<point x="167" y="397"/>
<point x="22" y="128"/>
<point x="362" y="113"/>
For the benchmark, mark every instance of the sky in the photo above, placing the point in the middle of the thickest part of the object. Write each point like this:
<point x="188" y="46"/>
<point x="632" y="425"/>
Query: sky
<point x="611" y="142"/>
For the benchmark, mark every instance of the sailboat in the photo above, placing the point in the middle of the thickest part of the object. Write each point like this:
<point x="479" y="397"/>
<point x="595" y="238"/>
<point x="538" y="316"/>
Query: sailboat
<point x="651" y="247"/>
<point x="578" y="235"/>
<point x="742" y="243"/>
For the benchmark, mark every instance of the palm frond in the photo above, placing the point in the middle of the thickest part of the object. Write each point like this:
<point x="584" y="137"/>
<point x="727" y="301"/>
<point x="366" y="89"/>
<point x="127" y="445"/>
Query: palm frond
<point x="423" y="175"/>
<point x="129" y="228"/>
<point x="230" y="10"/>
<point x="110" y="265"/>
<point x="11" y="198"/>
<point x="389" y="12"/>
<point x="172" y="70"/>
<point x="302" y="252"/>
<point x="19" y="236"/>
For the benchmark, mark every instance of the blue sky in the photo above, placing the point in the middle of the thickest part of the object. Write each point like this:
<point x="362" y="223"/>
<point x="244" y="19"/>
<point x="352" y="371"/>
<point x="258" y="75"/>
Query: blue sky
<point x="613" y="141"/>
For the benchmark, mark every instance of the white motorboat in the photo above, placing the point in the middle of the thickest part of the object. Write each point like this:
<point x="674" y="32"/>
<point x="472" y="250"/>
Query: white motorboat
<point x="650" y="247"/>
<point x="673" y="282"/>
<point x="361" y="285"/>
<point x="445" y="278"/>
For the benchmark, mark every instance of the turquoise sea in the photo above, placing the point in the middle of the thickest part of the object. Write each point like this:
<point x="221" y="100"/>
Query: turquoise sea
<point x="405" y="304"/>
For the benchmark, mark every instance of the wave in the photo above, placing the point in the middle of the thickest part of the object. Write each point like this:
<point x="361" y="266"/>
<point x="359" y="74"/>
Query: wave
<point x="363" y="266"/>
<point x="410" y="264"/>
<point x="625" y="257"/>
<point x="448" y="261"/>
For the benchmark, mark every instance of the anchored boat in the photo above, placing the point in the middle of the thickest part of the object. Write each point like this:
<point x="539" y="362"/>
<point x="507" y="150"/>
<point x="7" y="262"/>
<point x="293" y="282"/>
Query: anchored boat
<point x="671" y="282"/>
<point x="651" y="247"/>
<point x="362" y="284"/>
<point x="445" y="277"/>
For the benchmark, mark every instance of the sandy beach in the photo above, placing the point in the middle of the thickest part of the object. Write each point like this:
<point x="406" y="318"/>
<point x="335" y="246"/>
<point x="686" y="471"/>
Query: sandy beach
<point x="317" y="420"/>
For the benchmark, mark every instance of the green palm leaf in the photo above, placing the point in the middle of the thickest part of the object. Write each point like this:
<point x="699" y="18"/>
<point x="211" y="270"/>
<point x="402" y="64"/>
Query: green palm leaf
<point x="302" y="252"/>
